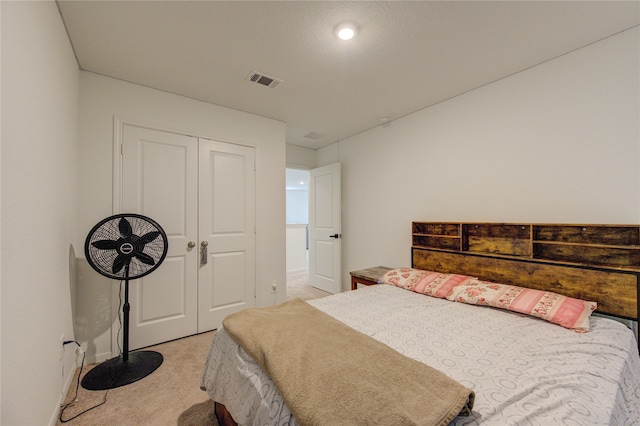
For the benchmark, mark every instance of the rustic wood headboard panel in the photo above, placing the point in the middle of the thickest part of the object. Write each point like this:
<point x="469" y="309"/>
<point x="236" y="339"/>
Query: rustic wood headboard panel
<point x="599" y="263"/>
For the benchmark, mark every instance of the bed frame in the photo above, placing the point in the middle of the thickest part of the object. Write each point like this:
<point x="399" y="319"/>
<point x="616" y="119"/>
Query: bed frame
<point x="599" y="263"/>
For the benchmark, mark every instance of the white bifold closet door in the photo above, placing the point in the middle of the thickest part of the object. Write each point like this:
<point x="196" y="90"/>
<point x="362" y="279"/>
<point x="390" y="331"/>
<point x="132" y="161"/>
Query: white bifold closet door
<point x="202" y="193"/>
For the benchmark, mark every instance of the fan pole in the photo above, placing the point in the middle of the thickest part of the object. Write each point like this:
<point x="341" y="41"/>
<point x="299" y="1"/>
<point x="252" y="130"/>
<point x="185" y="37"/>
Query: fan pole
<point x="125" y="311"/>
<point x="120" y="371"/>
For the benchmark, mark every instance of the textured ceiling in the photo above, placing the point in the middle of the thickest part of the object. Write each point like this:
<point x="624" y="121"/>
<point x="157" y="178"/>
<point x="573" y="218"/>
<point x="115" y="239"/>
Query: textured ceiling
<point x="407" y="56"/>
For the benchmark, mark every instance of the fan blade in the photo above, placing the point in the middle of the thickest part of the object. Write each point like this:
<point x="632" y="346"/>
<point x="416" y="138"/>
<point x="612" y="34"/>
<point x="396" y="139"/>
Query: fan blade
<point x="148" y="237"/>
<point x="105" y="244"/>
<point x="145" y="258"/>
<point x="119" y="263"/>
<point x="125" y="228"/>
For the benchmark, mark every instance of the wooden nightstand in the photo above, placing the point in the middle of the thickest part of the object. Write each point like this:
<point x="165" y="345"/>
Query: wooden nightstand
<point x="369" y="276"/>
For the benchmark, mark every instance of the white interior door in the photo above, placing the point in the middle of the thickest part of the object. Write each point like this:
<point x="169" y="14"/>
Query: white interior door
<point x="325" y="244"/>
<point x="227" y="232"/>
<point x="159" y="180"/>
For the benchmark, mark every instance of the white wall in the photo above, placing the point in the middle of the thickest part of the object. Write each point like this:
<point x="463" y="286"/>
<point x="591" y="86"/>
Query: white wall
<point x="39" y="209"/>
<point x="297" y="206"/>
<point x="296" y="248"/>
<point x="555" y="143"/>
<point x="101" y="100"/>
<point x="328" y="154"/>
<point x="300" y="158"/>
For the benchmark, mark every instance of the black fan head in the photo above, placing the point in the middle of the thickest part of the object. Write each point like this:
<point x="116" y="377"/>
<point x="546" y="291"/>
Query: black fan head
<point x="126" y="246"/>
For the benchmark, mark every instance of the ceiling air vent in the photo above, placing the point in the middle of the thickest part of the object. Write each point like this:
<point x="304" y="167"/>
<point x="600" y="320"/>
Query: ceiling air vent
<point x="263" y="79"/>
<point x="314" y="136"/>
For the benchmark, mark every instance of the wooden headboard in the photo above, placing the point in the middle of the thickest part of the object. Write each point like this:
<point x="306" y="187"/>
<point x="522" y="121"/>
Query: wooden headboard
<point x="600" y="263"/>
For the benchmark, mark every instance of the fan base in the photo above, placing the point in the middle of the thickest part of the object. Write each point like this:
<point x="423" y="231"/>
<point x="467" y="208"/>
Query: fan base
<point x="115" y="372"/>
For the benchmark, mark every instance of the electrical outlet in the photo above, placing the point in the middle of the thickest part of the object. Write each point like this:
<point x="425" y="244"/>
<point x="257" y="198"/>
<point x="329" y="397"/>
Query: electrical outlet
<point x="274" y="287"/>
<point x="79" y="354"/>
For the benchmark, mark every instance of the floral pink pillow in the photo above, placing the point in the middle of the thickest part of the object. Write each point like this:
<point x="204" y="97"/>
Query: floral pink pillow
<point x="433" y="284"/>
<point x="562" y="310"/>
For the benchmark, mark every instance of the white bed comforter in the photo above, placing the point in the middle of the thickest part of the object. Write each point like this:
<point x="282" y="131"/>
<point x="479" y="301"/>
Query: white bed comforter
<point x="524" y="371"/>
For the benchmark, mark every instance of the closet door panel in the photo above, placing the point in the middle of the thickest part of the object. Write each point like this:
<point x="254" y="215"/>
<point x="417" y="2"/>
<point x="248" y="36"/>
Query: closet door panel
<point x="159" y="180"/>
<point x="227" y="231"/>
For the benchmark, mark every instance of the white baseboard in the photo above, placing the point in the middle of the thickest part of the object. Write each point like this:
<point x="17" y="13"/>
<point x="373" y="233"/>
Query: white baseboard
<point x="65" y="389"/>
<point x="97" y="359"/>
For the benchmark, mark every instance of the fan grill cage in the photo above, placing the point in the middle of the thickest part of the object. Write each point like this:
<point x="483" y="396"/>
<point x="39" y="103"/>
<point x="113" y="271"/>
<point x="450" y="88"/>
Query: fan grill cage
<point x="109" y="229"/>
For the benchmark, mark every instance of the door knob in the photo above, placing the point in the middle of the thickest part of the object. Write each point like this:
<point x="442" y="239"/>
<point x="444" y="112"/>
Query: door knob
<point x="204" y="244"/>
<point x="191" y="244"/>
<point x="335" y="236"/>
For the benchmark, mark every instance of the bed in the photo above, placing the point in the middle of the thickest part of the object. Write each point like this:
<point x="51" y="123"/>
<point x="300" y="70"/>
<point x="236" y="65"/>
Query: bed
<point x="520" y="369"/>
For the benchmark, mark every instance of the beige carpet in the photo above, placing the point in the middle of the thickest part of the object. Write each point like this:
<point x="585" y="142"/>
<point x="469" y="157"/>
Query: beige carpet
<point x="298" y="286"/>
<point x="170" y="395"/>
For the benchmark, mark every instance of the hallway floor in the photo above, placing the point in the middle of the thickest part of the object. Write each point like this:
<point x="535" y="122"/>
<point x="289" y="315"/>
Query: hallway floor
<point x="298" y="286"/>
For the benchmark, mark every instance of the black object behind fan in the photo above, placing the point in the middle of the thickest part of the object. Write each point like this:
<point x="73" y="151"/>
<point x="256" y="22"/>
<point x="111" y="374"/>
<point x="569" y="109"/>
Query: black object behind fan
<point x="125" y="247"/>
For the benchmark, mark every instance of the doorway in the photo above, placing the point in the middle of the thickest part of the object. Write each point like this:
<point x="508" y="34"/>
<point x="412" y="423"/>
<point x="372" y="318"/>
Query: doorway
<point x="297" y="228"/>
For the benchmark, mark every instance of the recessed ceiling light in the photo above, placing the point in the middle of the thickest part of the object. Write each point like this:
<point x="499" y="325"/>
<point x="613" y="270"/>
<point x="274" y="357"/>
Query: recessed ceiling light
<point x="346" y="30"/>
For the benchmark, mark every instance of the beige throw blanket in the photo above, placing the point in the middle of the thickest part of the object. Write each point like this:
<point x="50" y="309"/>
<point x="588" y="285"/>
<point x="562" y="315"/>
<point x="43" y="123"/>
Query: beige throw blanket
<point x="331" y="374"/>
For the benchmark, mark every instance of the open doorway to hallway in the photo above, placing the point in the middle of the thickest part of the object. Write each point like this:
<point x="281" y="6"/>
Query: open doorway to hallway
<point x="297" y="189"/>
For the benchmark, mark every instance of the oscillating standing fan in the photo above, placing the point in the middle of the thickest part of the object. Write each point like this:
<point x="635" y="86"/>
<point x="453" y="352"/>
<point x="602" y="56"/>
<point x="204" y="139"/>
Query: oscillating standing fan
<point x="125" y="247"/>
